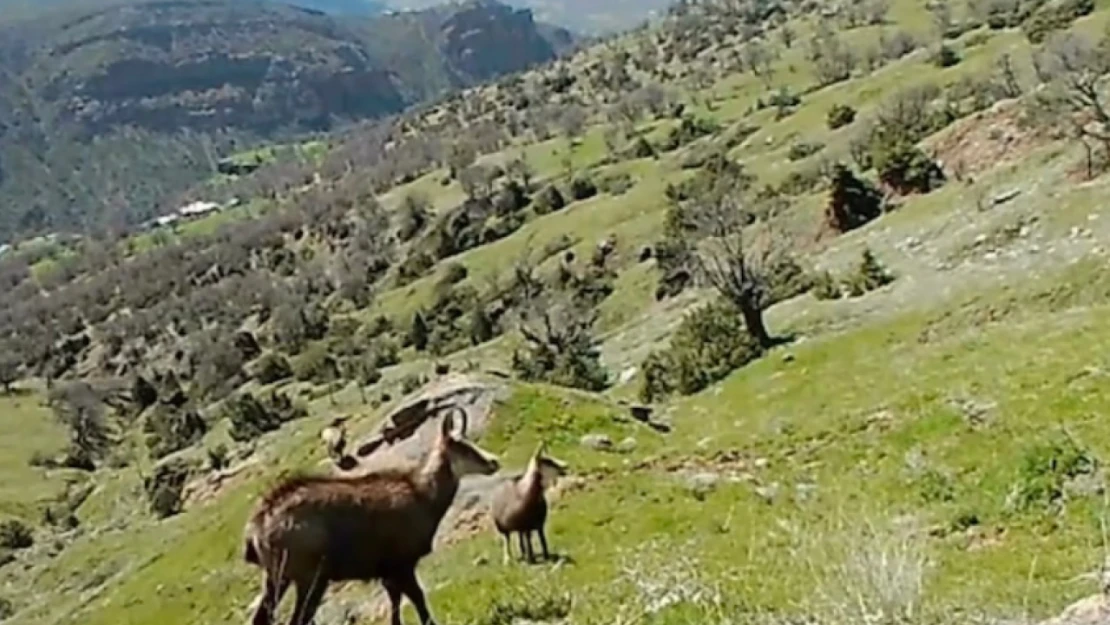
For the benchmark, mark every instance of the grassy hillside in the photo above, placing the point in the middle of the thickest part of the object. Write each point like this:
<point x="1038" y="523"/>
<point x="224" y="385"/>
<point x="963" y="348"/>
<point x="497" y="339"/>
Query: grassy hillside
<point x="925" y="446"/>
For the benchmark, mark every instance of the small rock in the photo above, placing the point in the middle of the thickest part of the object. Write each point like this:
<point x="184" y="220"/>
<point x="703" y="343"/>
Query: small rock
<point x="1094" y="610"/>
<point x="701" y="484"/>
<point x="627" y="445"/>
<point x="597" y="442"/>
<point x="768" y="493"/>
<point x="703" y="443"/>
<point x="805" y="491"/>
<point x="1006" y="196"/>
<point x="990" y="256"/>
<point x="761" y="463"/>
<point x="627" y="375"/>
<point x="1086" y="485"/>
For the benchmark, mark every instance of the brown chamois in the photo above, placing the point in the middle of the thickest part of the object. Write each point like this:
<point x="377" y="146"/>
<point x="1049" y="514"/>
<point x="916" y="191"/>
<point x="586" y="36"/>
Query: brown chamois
<point x="310" y="531"/>
<point x="519" y="504"/>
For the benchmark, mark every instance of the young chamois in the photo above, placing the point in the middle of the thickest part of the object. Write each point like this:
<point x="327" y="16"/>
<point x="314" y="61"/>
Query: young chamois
<point x="519" y="504"/>
<point x="310" y="531"/>
<point x="335" y="439"/>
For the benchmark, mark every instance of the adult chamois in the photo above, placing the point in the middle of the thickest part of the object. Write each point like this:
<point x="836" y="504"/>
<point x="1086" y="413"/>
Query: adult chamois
<point x="519" y="505"/>
<point x="309" y="531"/>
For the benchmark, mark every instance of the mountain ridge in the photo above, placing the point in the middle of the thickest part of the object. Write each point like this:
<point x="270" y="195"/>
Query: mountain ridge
<point x="188" y="80"/>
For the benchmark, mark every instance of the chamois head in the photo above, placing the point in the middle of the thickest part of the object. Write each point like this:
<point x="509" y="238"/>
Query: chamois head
<point x="550" y="469"/>
<point x="465" y="457"/>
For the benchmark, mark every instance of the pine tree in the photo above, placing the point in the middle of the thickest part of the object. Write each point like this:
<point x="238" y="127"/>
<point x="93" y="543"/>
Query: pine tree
<point x="481" y="327"/>
<point x="852" y="202"/>
<point x="418" y="335"/>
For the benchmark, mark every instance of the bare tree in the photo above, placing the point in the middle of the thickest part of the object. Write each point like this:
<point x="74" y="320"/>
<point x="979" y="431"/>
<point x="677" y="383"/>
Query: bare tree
<point x="1006" y="76"/>
<point x="733" y="254"/>
<point x="9" y="367"/>
<point x="80" y="409"/>
<point x="572" y="121"/>
<point x="1075" y="70"/>
<point x="557" y="328"/>
<point x="758" y="58"/>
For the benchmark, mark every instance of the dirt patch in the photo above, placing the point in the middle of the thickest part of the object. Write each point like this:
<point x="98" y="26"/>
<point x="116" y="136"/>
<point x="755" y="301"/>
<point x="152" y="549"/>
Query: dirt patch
<point x="985" y="140"/>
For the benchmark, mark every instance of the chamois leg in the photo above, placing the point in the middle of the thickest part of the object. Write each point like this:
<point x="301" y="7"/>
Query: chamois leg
<point x="309" y="597"/>
<point x="394" y="591"/>
<point x="525" y="546"/>
<point x="508" y="548"/>
<point x="543" y="544"/>
<point x="412" y="590"/>
<point x="267" y="602"/>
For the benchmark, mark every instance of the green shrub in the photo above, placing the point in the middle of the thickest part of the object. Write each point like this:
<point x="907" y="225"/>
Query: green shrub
<point x="905" y="168"/>
<point x="549" y="200"/>
<point x="510" y="198"/>
<point x="411" y="382"/>
<point x="316" y="365"/>
<point x="383" y="352"/>
<point x="454" y="273"/>
<point x="271" y="368"/>
<point x="853" y="201"/>
<point x="839" y="116"/>
<point x="642" y="148"/>
<point x="945" y="57"/>
<point x="1055" y="16"/>
<point x="582" y="188"/>
<point x="218" y="458"/>
<point x="164" y="486"/>
<point x="168" y="430"/>
<point x="786" y="279"/>
<point x="934" y="486"/>
<point x="616" y="184"/>
<point x="250" y="417"/>
<point x="869" y="275"/>
<point x="826" y="287"/>
<point x="711" y="343"/>
<point x="803" y="149"/>
<point x="1045" y="470"/>
<point x="15" y="535"/>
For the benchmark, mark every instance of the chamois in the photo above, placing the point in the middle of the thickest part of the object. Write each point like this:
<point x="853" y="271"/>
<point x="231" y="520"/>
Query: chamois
<point x="519" y="504"/>
<point x="310" y="531"/>
<point x="335" y="439"/>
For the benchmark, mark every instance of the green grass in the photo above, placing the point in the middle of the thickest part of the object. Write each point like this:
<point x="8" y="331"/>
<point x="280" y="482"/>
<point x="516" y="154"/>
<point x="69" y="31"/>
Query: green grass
<point x="28" y="427"/>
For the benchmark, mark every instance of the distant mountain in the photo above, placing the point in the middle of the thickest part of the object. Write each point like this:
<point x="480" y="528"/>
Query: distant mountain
<point x="583" y="16"/>
<point x="341" y="7"/>
<point x="107" y="109"/>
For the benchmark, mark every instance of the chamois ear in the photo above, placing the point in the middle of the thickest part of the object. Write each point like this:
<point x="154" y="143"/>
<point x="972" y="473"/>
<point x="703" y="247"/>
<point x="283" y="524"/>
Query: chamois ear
<point x="460" y="421"/>
<point x="541" y="449"/>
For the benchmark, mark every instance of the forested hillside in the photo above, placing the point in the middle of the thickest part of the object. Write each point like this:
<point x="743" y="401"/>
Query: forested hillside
<point x="110" y="112"/>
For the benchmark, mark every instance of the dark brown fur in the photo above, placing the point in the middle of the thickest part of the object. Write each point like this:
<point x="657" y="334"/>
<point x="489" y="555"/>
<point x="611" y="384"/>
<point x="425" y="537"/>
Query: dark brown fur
<point x="310" y="531"/>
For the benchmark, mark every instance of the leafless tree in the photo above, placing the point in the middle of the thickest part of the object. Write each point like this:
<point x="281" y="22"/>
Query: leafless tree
<point x="733" y="254"/>
<point x="1075" y="69"/>
<point x="758" y="58"/>
<point x="1006" y="76"/>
